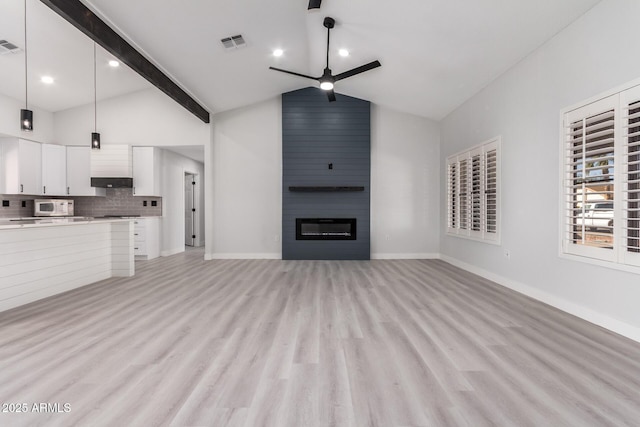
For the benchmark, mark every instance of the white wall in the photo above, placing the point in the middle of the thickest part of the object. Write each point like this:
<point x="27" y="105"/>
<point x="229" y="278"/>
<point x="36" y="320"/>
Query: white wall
<point x="247" y="182"/>
<point x="10" y="121"/>
<point x="246" y="172"/>
<point x="147" y="117"/>
<point x="523" y="106"/>
<point x="405" y="185"/>
<point x="173" y="169"/>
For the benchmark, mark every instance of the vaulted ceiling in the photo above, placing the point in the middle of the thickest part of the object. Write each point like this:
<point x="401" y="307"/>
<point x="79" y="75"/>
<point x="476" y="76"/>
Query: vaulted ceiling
<point x="435" y="54"/>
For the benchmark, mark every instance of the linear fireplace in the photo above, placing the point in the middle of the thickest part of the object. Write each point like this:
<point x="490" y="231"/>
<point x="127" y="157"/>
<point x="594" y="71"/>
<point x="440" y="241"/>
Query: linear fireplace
<point x="325" y="229"/>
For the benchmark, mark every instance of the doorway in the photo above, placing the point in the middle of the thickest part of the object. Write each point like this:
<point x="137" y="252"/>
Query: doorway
<point x="189" y="209"/>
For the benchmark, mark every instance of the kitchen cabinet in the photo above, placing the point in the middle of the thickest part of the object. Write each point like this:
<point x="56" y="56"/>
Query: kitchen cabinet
<point x="146" y="171"/>
<point x="146" y="238"/>
<point x="79" y="173"/>
<point x="54" y="170"/>
<point x="21" y="163"/>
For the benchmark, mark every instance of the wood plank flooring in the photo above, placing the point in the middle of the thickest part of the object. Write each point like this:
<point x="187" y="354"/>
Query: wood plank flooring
<point x="188" y="342"/>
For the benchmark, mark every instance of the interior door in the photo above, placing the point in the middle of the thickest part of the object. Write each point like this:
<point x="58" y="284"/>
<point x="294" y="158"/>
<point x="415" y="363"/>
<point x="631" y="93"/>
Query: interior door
<point x="189" y="209"/>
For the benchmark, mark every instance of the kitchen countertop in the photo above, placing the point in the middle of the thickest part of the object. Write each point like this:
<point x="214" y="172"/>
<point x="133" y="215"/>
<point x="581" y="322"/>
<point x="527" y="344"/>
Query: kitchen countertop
<point x="8" y="223"/>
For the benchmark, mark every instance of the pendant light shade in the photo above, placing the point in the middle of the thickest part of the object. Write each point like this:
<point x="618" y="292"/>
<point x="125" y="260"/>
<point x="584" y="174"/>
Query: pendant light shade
<point x="95" y="136"/>
<point x="26" y="120"/>
<point x="26" y="115"/>
<point x="95" y="140"/>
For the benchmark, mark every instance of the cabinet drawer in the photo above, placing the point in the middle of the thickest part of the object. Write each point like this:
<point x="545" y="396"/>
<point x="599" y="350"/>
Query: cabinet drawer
<point x="139" y="248"/>
<point x="139" y="235"/>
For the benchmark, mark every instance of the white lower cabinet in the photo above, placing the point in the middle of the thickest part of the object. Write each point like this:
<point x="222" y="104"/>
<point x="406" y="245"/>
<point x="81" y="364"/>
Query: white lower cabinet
<point x="146" y="238"/>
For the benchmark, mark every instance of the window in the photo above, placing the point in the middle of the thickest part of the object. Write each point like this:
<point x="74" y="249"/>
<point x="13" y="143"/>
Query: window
<point x="602" y="179"/>
<point x="473" y="192"/>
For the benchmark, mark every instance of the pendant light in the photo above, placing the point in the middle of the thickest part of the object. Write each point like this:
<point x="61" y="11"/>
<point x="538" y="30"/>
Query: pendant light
<point x="26" y="115"/>
<point x="95" y="136"/>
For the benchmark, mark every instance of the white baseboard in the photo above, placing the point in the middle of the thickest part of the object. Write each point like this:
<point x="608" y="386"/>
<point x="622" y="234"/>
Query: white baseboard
<point x="210" y="257"/>
<point x="585" y="313"/>
<point x="405" y="256"/>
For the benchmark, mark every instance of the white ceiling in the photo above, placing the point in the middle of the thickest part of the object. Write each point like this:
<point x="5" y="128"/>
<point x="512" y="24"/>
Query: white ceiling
<point x="435" y="54"/>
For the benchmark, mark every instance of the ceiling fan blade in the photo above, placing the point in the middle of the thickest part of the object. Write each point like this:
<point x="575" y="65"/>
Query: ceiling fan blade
<point x="331" y="95"/>
<point x="358" y="70"/>
<point x="295" y="74"/>
<point x="314" y="4"/>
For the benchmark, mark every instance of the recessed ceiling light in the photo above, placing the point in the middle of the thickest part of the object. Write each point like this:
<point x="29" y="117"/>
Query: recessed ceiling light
<point x="46" y="79"/>
<point x="278" y="52"/>
<point x="343" y="52"/>
<point x="114" y="63"/>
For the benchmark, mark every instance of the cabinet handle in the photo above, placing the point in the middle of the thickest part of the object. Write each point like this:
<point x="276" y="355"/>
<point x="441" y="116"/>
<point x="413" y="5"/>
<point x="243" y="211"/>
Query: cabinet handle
<point x="134" y="190"/>
<point x="44" y="189"/>
<point x="68" y="190"/>
<point x="21" y="188"/>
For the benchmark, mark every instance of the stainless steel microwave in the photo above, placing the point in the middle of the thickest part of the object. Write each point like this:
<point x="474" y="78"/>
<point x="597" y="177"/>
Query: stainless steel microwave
<point x="53" y="207"/>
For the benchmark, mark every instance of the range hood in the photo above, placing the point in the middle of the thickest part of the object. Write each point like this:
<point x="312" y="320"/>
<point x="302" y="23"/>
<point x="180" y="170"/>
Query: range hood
<point x="112" y="182"/>
<point x="111" y="166"/>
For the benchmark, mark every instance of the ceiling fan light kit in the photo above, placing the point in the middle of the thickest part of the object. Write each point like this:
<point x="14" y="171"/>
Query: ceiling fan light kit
<point x="327" y="79"/>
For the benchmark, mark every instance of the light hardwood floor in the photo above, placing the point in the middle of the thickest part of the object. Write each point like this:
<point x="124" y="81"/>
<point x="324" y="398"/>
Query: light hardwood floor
<point x="188" y="342"/>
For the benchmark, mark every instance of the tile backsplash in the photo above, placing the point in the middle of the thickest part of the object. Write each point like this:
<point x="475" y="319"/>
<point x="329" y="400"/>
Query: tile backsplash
<point x="15" y="208"/>
<point x="118" y="201"/>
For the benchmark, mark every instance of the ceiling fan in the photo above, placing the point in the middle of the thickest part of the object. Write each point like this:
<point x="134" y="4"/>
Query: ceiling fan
<point x="328" y="79"/>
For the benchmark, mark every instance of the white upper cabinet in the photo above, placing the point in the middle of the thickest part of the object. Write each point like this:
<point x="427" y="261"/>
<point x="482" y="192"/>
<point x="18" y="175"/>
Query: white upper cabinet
<point x="54" y="170"/>
<point x="146" y="171"/>
<point x="79" y="173"/>
<point x="21" y="165"/>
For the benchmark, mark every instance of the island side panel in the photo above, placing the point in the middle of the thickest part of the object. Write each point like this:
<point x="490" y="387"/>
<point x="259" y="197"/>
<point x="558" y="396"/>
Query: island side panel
<point x="41" y="261"/>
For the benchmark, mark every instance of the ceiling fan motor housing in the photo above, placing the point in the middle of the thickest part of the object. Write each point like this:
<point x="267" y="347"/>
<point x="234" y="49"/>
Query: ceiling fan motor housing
<point x="329" y="22"/>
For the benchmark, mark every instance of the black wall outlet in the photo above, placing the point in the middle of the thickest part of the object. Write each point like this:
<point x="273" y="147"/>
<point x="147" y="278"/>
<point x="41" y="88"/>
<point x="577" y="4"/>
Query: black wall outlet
<point x="24" y="203"/>
<point x="144" y="203"/>
<point x="154" y="203"/>
<point x="5" y="203"/>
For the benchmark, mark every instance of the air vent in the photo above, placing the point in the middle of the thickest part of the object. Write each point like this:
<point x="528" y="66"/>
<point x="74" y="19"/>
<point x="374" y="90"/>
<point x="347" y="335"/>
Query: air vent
<point x="233" y="42"/>
<point x="8" y="47"/>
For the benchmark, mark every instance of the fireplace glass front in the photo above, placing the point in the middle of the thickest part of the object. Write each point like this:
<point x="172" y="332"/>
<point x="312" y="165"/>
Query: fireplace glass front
<point x="325" y="229"/>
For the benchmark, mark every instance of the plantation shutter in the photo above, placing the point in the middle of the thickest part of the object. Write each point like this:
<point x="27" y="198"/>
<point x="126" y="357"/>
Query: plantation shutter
<point x="463" y="193"/>
<point x="589" y="179"/>
<point x="473" y="192"/>
<point x="452" y="194"/>
<point x="491" y="190"/>
<point x="631" y="178"/>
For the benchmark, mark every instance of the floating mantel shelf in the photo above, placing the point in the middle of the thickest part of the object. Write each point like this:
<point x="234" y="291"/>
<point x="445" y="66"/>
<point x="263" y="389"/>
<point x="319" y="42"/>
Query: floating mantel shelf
<point x="320" y="188"/>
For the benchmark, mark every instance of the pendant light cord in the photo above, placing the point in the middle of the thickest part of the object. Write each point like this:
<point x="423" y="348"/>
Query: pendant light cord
<point x="95" y="91"/>
<point x="26" y="79"/>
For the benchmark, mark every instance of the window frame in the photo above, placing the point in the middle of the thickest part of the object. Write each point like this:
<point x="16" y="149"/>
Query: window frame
<point x="618" y="99"/>
<point x="475" y="207"/>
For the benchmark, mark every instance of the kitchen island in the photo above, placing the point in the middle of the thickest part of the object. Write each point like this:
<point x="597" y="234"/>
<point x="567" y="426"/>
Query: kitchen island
<point x="44" y="257"/>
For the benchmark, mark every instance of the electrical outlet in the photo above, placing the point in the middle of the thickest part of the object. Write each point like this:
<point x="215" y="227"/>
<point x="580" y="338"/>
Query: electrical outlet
<point x="507" y="254"/>
<point x="144" y="203"/>
<point x="5" y="203"/>
<point x="154" y="203"/>
<point x="24" y="203"/>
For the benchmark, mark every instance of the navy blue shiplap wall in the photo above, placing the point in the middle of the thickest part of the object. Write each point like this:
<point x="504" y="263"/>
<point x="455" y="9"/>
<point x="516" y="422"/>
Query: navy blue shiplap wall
<point x="315" y="133"/>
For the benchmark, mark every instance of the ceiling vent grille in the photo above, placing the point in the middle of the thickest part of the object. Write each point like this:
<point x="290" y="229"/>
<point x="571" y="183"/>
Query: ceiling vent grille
<point x="233" y="42"/>
<point x="8" y="47"/>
